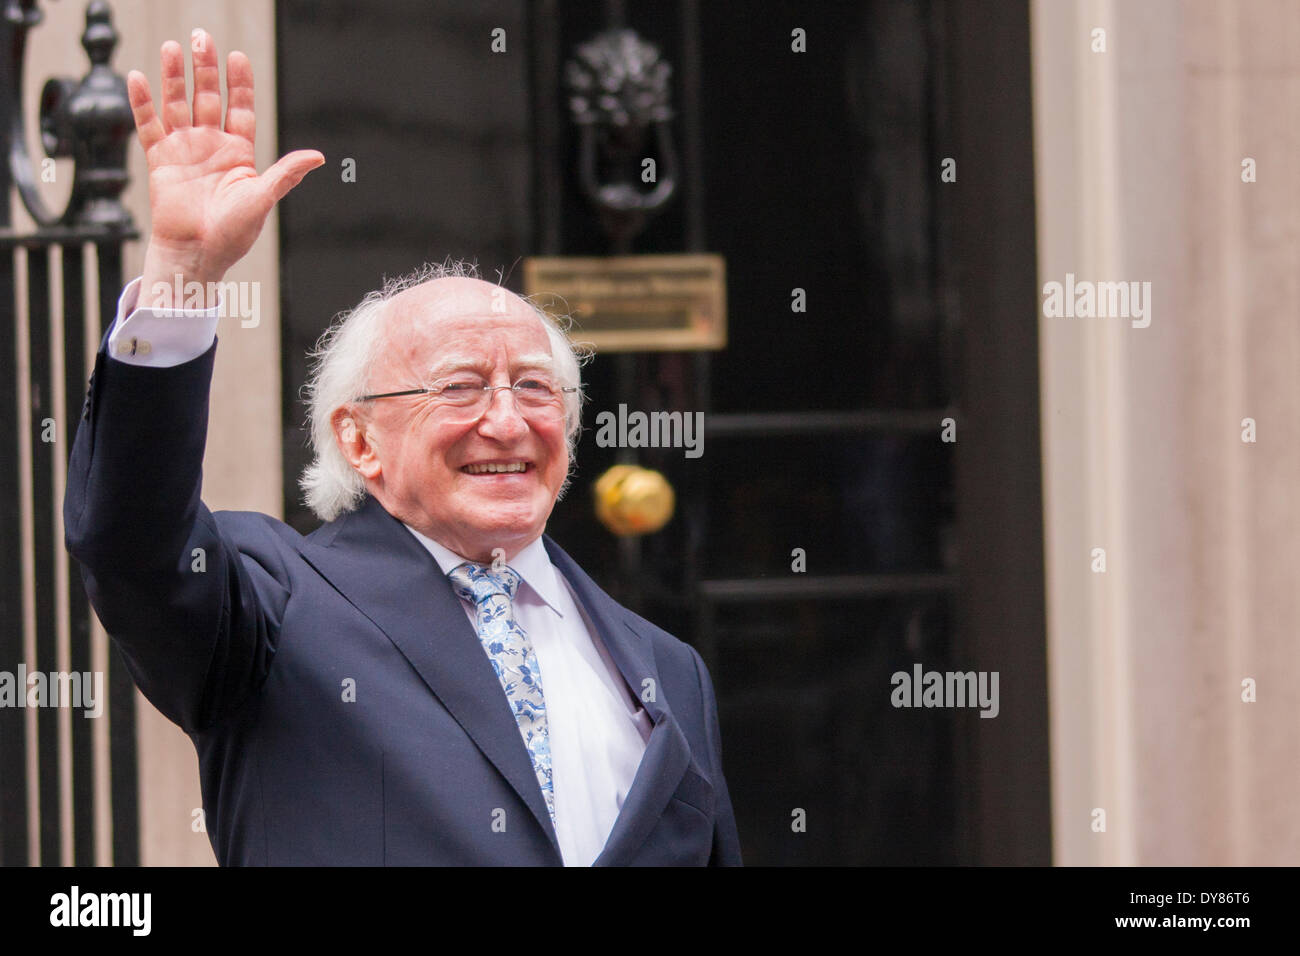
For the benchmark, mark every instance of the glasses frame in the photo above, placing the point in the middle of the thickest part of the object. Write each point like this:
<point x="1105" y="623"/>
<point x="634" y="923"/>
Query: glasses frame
<point x="433" y="390"/>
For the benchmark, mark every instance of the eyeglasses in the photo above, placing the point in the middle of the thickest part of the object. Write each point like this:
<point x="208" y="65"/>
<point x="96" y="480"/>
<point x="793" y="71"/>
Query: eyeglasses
<point x="468" y="397"/>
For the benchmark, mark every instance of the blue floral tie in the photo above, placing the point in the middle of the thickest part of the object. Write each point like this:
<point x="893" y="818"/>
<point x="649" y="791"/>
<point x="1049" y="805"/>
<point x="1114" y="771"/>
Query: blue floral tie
<point x="491" y="591"/>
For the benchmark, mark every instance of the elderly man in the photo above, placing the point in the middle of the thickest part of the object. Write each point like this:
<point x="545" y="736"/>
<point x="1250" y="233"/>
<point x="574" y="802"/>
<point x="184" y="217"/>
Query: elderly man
<point x="426" y="678"/>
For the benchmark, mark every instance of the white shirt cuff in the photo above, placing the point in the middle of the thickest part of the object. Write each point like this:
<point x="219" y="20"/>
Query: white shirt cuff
<point x="160" y="338"/>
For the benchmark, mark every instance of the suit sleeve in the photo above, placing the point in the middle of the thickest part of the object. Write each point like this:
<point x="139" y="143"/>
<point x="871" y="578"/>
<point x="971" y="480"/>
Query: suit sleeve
<point x="726" y="839"/>
<point x="195" y="619"/>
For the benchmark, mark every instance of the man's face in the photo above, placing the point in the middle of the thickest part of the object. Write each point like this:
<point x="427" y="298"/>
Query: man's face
<point x="426" y="462"/>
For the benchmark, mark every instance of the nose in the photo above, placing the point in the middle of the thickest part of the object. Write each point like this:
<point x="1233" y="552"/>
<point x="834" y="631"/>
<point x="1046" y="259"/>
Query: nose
<point x="502" y="419"/>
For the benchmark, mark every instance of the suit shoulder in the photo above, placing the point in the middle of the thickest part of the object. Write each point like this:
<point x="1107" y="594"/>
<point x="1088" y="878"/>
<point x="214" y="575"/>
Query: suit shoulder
<point x="253" y="531"/>
<point x="253" y="522"/>
<point x="667" y="648"/>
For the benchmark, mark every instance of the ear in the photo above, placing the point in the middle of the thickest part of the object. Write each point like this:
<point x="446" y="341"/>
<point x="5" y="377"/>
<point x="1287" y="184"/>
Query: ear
<point x="356" y="442"/>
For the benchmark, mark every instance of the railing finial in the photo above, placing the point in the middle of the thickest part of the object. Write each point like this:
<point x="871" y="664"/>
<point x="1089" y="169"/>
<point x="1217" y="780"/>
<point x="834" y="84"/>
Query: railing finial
<point x="88" y="121"/>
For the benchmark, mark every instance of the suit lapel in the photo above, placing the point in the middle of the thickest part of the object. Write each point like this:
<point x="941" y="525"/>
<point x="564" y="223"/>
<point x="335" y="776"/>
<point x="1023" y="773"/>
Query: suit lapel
<point x="387" y="575"/>
<point x="667" y="752"/>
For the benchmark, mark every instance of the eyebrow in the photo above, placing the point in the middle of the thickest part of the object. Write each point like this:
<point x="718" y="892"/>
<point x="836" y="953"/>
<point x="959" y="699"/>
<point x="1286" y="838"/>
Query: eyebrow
<point x="457" y="363"/>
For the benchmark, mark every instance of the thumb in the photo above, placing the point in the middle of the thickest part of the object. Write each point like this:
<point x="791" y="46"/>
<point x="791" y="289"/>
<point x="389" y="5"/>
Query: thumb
<point x="289" y="171"/>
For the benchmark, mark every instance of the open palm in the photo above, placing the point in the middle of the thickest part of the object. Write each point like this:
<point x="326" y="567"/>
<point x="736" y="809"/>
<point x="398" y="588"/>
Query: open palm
<point x="207" y="202"/>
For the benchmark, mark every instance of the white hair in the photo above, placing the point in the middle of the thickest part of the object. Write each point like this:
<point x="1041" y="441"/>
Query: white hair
<point x="343" y="359"/>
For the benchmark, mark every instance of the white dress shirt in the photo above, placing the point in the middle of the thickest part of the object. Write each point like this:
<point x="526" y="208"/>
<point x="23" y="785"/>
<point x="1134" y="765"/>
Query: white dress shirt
<point x="596" y="725"/>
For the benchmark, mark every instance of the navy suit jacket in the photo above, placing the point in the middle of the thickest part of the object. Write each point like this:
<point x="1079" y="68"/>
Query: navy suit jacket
<point x="254" y="654"/>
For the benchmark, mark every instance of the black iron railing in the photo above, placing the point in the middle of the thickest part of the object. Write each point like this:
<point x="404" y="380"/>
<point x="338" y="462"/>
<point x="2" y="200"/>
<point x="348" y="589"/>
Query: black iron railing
<point x="88" y="121"/>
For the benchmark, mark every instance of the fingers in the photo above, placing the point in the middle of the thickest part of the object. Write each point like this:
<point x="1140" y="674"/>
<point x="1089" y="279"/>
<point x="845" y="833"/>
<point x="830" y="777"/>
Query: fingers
<point x="175" y="109"/>
<point x="240" y="120"/>
<point x="147" y="123"/>
<point x="290" y="170"/>
<point x="207" y="79"/>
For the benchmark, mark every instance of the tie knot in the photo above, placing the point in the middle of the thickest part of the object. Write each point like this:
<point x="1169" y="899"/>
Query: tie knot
<point x="477" y="582"/>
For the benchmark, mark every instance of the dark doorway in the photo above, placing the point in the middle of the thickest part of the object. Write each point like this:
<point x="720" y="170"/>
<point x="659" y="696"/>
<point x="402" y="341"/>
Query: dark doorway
<point x="816" y="171"/>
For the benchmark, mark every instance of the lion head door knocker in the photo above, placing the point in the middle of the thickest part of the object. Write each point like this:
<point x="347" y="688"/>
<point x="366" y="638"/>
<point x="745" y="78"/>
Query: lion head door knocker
<point x="619" y="98"/>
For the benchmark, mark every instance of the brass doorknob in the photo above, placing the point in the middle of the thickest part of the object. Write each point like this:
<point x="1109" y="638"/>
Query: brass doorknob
<point x="631" y="500"/>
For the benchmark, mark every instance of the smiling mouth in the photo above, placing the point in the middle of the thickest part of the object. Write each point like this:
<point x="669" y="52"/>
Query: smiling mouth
<point x="496" y="468"/>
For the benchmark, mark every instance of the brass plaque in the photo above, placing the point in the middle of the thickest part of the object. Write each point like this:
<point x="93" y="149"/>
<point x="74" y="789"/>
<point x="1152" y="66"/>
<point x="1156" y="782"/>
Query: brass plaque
<point x="635" y="303"/>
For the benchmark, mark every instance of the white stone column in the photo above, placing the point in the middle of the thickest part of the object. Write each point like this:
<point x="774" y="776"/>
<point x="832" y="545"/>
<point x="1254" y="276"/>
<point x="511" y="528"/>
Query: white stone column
<point x="1139" y="153"/>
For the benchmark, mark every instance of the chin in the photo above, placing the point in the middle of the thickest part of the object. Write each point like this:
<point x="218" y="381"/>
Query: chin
<point x="512" y="527"/>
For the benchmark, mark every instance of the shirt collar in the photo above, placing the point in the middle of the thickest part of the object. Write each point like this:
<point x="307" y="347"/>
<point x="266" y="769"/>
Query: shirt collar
<point x="532" y="564"/>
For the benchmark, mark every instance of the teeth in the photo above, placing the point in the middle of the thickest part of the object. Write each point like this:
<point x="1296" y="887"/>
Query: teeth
<point x="494" y="468"/>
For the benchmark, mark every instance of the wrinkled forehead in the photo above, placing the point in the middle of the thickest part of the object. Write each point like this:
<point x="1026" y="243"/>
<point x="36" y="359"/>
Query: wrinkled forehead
<point x="455" y="297"/>
<point x="462" y="313"/>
